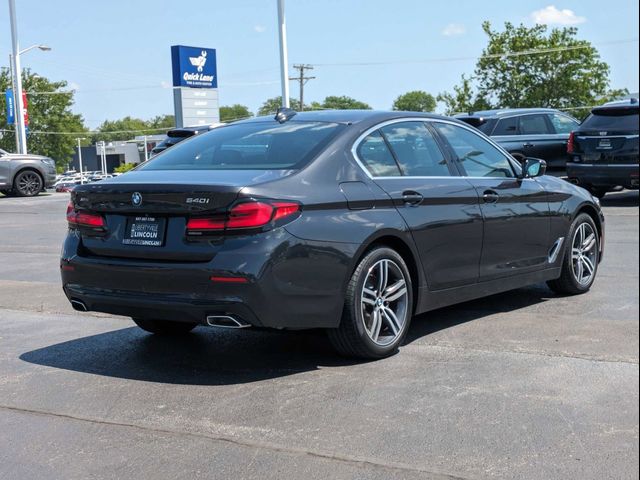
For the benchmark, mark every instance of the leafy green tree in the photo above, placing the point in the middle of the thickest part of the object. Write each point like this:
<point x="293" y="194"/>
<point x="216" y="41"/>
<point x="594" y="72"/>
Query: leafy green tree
<point x="415" y="101"/>
<point x="567" y="72"/>
<point x="162" y="121"/>
<point x="125" y="167"/>
<point x="123" y="129"/>
<point x="463" y="99"/>
<point x="50" y="118"/>
<point x="234" y="112"/>
<point x="271" y="105"/>
<point x="344" y="103"/>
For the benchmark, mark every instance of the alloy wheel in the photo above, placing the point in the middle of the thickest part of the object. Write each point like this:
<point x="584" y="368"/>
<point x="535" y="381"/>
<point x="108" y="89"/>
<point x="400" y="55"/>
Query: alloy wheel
<point x="384" y="302"/>
<point x="29" y="184"/>
<point x="584" y="254"/>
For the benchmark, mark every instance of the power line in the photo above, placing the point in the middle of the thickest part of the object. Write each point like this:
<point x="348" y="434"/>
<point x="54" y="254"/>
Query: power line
<point x="302" y="80"/>
<point x="534" y="51"/>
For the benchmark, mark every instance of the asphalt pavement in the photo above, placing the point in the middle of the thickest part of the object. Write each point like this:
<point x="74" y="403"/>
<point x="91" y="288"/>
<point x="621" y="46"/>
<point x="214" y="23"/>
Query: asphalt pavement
<point x="522" y="385"/>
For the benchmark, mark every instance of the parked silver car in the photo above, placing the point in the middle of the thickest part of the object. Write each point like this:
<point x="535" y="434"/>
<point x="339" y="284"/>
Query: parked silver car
<point x="25" y="175"/>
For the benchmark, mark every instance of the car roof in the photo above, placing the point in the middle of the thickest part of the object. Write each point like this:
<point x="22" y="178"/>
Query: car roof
<point x="346" y="116"/>
<point x="628" y="104"/>
<point x="504" y="112"/>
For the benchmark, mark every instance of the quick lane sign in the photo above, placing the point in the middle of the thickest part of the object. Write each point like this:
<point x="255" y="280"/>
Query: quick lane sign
<point x="194" y="67"/>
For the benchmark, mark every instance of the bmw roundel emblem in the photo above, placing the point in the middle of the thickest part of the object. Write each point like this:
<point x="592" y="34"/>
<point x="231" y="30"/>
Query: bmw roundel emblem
<point x="136" y="199"/>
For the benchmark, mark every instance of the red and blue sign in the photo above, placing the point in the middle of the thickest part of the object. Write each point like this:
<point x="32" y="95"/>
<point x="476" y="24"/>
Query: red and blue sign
<point x="194" y="67"/>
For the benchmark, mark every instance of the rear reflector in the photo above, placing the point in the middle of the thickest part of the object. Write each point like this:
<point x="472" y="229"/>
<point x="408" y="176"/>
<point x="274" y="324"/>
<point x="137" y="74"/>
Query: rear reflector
<point x="244" y="216"/>
<point x="83" y="219"/>
<point x="229" y="279"/>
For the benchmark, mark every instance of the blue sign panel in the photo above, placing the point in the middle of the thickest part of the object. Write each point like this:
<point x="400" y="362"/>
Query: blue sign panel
<point x="11" y="109"/>
<point x="194" y="67"/>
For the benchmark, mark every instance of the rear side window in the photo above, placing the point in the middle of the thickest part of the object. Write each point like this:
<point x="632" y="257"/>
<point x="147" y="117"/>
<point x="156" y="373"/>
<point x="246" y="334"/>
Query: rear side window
<point x="416" y="150"/>
<point x="563" y="124"/>
<point x="249" y="146"/>
<point x="478" y="157"/>
<point x="612" y="122"/>
<point x="507" y="126"/>
<point x="533" y="125"/>
<point x="376" y="156"/>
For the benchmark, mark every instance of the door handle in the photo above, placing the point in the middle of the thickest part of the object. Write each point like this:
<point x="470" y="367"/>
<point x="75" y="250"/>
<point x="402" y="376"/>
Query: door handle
<point x="490" y="196"/>
<point x="528" y="145"/>
<point x="410" y="197"/>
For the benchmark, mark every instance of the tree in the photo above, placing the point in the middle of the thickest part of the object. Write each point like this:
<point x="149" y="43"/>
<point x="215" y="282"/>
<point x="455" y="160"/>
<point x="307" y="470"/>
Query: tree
<point x="234" y="112"/>
<point x="415" y="101"/>
<point x="162" y="122"/>
<point x="271" y="105"/>
<point x="462" y="99"/>
<point x="123" y="129"/>
<point x="566" y="73"/>
<point x="51" y="121"/>
<point x="344" y="103"/>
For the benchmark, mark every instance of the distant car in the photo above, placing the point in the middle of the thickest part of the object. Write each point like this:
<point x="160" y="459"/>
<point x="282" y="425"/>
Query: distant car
<point x="179" y="134"/>
<point x="604" y="149"/>
<point x="527" y="132"/>
<point x="25" y="175"/>
<point x="67" y="186"/>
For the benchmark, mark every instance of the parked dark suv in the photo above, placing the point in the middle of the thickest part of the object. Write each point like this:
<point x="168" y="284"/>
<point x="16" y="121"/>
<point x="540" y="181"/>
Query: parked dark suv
<point x="527" y="132"/>
<point x="604" y="149"/>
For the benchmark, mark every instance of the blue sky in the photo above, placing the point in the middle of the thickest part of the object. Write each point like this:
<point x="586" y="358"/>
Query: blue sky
<point x="116" y="53"/>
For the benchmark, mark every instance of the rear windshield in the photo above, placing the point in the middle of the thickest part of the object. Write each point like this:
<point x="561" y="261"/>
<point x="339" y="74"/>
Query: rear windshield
<point x="249" y="146"/>
<point x="627" y="121"/>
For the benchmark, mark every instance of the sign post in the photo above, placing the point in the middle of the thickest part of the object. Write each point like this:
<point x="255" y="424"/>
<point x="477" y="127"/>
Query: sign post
<point x="195" y="86"/>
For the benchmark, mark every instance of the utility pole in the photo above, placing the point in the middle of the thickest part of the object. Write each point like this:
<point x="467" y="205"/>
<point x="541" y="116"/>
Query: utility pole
<point x="302" y="81"/>
<point x="284" y="57"/>
<point x="17" y="71"/>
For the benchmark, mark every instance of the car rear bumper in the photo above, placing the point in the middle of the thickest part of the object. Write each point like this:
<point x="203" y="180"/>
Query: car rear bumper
<point x="289" y="283"/>
<point x="597" y="175"/>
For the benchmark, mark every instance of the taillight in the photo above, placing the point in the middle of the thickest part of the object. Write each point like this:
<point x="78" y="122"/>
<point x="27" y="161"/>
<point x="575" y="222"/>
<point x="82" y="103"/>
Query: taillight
<point x="245" y="215"/>
<point x="571" y="142"/>
<point x="83" y="219"/>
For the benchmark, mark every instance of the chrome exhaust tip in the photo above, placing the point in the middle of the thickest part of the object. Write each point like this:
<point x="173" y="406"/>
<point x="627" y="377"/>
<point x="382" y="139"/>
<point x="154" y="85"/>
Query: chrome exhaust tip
<point x="226" y="321"/>
<point x="79" y="306"/>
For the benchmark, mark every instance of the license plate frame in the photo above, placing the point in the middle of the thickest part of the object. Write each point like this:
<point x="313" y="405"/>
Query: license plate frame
<point x="145" y="231"/>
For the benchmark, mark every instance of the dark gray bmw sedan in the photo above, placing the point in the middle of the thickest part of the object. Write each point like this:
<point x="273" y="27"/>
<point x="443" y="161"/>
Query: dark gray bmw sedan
<point x="351" y="221"/>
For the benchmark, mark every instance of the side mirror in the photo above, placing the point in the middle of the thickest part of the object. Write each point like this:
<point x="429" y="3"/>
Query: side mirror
<point x="534" y="167"/>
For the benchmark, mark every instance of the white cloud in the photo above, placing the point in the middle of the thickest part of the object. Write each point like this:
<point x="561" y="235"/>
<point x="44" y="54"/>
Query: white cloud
<point x="454" y="29"/>
<point x="260" y="28"/>
<point x="551" y="15"/>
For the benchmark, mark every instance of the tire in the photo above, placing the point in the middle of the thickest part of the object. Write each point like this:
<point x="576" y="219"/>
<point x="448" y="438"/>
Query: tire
<point x="373" y="327"/>
<point x="574" y="266"/>
<point x="164" y="327"/>
<point x="28" y="183"/>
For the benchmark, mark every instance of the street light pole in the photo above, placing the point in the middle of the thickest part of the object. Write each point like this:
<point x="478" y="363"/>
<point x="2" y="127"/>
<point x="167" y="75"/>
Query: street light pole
<point x="80" y="161"/>
<point x="21" y="133"/>
<point x="13" y="91"/>
<point x="284" y="57"/>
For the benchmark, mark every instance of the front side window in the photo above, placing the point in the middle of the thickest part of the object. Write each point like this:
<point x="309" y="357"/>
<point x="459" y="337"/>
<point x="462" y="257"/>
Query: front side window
<point x="416" y="150"/>
<point x="374" y="153"/>
<point x="478" y="157"/>
<point x="533" y="125"/>
<point x="563" y="124"/>
<point x="249" y="146"/>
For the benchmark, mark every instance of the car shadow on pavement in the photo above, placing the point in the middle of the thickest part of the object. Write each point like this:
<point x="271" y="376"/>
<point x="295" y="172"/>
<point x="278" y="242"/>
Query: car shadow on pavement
<point x="448" y="317"/>
<point x="225" y="357"/>
<point x="207" y="356"/>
